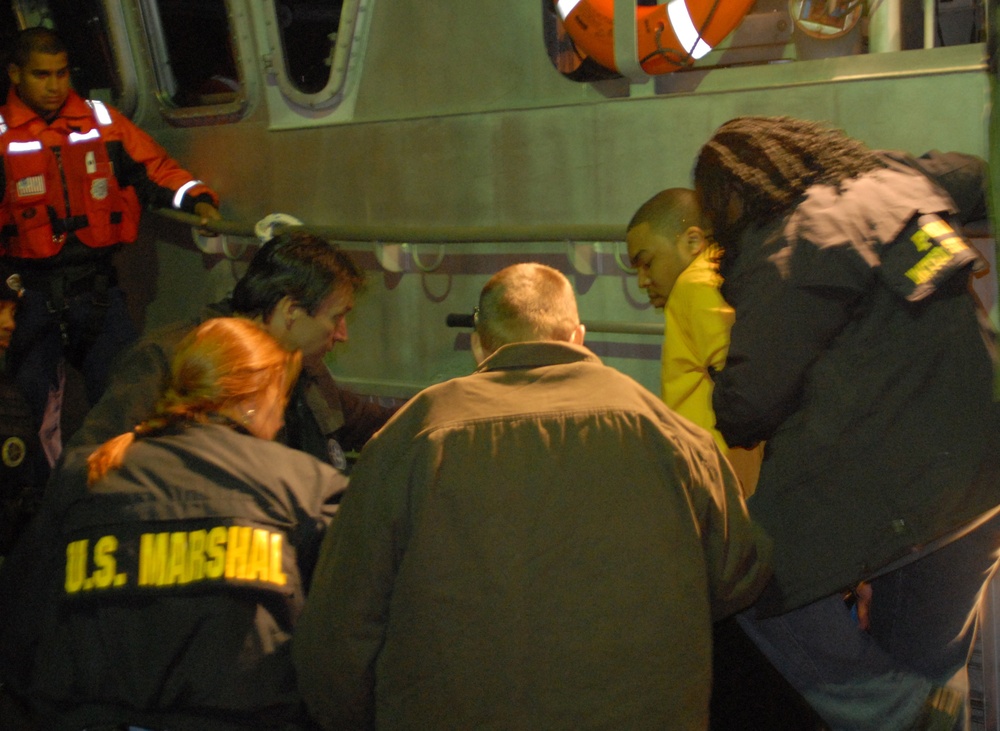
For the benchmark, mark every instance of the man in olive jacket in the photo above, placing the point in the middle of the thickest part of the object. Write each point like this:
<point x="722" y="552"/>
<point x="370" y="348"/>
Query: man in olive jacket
<point x="541" y="544"/>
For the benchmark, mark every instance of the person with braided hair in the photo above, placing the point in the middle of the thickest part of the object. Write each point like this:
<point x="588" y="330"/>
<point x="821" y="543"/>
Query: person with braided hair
<point x="159" y="585"/>
<point x="860" y="354"/>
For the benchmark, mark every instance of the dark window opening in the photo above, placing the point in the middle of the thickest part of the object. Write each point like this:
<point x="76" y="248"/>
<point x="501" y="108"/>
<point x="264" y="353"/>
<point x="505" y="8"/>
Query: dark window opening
<point x="308" y="36"/>
<point x="192" y="51"/>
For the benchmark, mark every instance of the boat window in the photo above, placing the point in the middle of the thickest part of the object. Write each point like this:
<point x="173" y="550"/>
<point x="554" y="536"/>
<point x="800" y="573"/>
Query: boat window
<point x="101" y="65"/>
<point x="192" y="49"/>
<point x="310" y="44"/>
<point x="771" y="31"/>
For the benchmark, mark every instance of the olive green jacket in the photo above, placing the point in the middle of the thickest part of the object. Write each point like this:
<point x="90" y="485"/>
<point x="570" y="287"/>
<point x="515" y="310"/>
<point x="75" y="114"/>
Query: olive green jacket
<point x="541" y="544"/>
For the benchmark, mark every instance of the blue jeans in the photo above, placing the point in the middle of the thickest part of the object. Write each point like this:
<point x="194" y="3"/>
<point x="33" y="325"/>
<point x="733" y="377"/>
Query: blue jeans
<point x="922" y="625"/>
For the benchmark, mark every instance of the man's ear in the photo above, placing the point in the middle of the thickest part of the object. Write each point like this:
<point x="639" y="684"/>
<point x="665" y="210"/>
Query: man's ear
<point x="284" y="313"/>
<point x="577" y="336"/>
<point x="478" y="352"/>
<point x="14" y="73"/>
<point x="694" y="240"/>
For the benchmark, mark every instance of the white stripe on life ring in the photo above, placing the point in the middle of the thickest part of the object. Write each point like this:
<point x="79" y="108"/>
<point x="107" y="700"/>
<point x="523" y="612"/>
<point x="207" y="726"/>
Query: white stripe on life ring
<point x="687" y="34"/>
<point x="565" y="7"/>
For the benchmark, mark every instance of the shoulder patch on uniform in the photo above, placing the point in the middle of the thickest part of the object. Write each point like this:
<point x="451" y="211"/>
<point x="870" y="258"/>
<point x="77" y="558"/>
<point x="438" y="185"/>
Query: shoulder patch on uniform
<point x="35" y="185"/>
<point x="928" y="253"/>
<point x="99" y="189"/>
<point x="13" y="452"/>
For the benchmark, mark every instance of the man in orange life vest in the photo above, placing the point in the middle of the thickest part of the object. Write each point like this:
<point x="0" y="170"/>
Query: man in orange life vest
<point x="73" y="175"/>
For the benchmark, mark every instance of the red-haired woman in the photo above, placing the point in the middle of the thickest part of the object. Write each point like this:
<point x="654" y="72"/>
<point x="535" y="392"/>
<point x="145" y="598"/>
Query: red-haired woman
<point x="161" y="581"/>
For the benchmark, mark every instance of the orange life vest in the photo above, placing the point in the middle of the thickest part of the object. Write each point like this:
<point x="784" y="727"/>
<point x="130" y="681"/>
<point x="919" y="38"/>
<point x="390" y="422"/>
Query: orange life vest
<point x="54" y="192"/>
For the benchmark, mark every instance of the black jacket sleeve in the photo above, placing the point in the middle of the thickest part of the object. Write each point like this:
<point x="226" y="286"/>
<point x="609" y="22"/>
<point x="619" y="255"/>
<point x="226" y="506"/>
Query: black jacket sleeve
<point x="964" y="177"/>
<point x="781" y="329"/>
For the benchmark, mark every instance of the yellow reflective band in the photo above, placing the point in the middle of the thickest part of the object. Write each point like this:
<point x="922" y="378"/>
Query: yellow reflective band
<point x="953" y="244"/>
<point x="925" y="269"/>
<point x="937" y="228"/>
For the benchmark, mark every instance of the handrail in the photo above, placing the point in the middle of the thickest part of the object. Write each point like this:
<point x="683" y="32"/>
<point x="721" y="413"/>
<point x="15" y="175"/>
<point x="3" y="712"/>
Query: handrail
<point x="450" y="235"/>
<point x="407" y="234"/>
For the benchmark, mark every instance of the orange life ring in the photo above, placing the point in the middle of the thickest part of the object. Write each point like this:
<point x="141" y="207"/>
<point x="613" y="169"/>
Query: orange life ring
<point x="671" y="35"/>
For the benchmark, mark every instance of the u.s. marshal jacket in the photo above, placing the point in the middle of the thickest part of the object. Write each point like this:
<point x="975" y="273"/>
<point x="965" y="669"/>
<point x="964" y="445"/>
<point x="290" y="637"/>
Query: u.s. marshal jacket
<point x="165" y="595"/>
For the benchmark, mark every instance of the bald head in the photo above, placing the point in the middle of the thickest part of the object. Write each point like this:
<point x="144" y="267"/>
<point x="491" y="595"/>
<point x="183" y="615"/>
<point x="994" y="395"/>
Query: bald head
<point x="525" y="303"/>
<point x="669" y="212"/>
<point x="664" y="237"/>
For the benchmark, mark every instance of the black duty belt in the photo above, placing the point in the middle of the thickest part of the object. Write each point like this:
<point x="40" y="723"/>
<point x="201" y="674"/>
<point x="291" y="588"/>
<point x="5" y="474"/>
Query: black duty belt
<point x="63" y="284"/>
<point x="61" y="226"/>
<point x="70" y="285"/>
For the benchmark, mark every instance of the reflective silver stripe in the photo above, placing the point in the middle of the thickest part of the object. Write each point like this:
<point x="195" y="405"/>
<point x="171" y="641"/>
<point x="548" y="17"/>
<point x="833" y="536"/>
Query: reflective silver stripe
<point x="565" y="7"/>
<point x="179" y="195"/>
<point x="687" y="34"/>
<point x="3" y="125"/>
<point x="75" y="137"/>
<point x="100" y="111"/>
<point x="33" y="146"/>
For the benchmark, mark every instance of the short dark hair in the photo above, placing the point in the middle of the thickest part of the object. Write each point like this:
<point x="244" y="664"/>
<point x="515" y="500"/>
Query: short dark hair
<point x="298" y="265"/>
<point x="526" y="303"/>
<point x="34" y="40"/>
<point x="671" y="211"/>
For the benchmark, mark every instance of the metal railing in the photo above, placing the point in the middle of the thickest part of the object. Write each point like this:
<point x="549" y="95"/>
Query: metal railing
<point x="445" y="235"/>
<point x="381" y="233"/>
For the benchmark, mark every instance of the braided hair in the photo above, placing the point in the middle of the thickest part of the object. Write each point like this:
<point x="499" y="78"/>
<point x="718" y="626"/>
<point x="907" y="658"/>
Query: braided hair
<point x="769" y="163"/>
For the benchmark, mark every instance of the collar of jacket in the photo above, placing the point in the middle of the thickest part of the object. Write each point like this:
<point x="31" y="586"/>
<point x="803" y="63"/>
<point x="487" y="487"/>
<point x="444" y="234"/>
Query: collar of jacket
<point x="535" y="354"/>
<point x="17" y="113"/>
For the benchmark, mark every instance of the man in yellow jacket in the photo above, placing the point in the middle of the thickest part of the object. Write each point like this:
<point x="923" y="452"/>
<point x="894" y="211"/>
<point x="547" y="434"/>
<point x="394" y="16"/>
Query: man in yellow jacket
<point x="676" y="264"/>
<point x="675" y="259"/>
